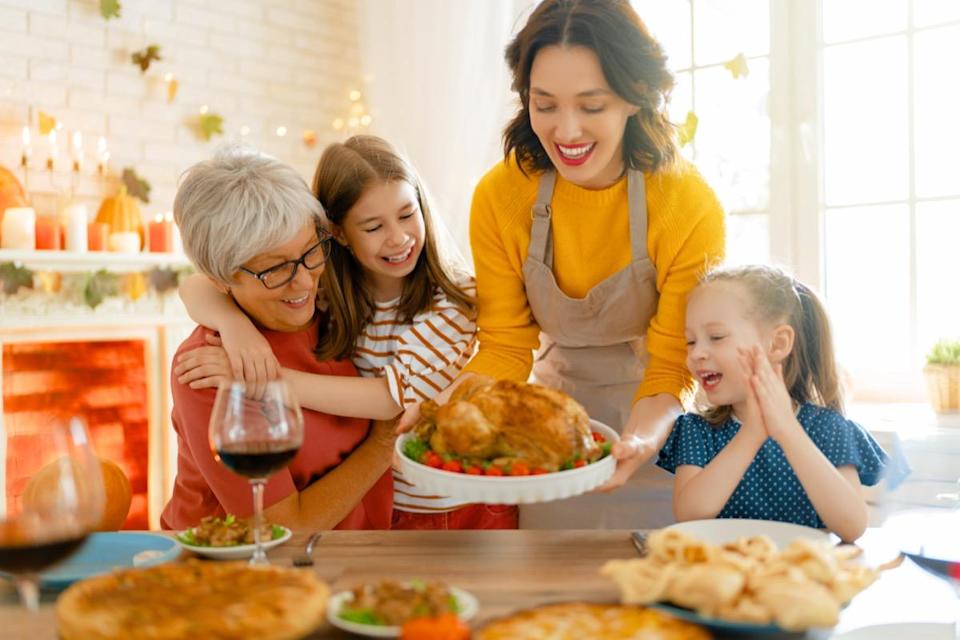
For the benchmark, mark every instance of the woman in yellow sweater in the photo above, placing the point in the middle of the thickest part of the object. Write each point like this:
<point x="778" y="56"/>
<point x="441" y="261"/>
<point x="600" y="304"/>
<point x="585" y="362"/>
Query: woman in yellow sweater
<point x="586" y="241"/>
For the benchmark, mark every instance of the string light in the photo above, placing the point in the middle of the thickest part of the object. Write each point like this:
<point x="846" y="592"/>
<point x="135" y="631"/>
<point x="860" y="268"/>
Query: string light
<point x="281" y="131"/>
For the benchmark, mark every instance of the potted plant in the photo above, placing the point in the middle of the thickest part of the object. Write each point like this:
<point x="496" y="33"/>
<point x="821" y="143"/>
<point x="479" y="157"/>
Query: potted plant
<point x="943" y="376"/>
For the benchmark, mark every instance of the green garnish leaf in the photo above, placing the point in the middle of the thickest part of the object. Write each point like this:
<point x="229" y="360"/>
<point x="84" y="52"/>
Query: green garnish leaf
<point x="418" y="585"/>
<point x="605" y="449"/>
<point x="187" y="538"/>
<point x="276" y="531"/>
<point x="361" y="616"/>
<point x="453" y="604"/>
<point x="415" y="448"/>
<point x="230" y="519"/>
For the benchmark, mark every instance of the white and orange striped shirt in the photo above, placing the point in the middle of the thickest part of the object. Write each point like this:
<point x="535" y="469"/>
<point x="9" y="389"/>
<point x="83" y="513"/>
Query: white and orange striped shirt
<point x="419" y="359"/>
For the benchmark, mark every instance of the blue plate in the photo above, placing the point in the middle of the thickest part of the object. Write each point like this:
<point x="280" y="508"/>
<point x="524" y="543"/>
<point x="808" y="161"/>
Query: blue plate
<point x="104" y="552"/>
<point x="726" y="626"/>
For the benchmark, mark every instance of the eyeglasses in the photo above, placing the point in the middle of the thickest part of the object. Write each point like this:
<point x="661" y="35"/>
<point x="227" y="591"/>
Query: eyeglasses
<point x="280" y="274"/>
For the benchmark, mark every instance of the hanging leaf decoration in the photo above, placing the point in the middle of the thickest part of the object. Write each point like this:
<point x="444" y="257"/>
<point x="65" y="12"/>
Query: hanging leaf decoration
<point x="172" y="87"/>
<point x="687" y="131"/>
<point x="46" y="123"/>
<point x="143" y="58"/>
<point x="165" y="279"/>
<point x="98" y="286"/>
<point x="738" y="66"/>
<point x="136" y="186"/>
<point x="14" y="276"/>
<point x="134" y="286"/>
<point x="110" y="9"/>
<point x="209" y="125"/>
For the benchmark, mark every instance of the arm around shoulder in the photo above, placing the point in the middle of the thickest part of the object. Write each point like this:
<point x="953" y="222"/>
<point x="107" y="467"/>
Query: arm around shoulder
<point x="329" y="500"/>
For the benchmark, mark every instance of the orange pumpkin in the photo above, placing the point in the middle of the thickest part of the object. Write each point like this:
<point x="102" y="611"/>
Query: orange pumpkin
<point x="117" y="493"/>
<point x="121" y="213"/>
<point x="11" y="192"/>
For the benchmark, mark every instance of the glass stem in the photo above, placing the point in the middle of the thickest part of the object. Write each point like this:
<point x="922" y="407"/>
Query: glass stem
<point x="29" y="593"/>
<point x="258" y="557"/>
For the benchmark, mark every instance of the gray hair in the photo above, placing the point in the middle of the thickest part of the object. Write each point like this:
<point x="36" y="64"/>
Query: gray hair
<point x="237" y="205"/>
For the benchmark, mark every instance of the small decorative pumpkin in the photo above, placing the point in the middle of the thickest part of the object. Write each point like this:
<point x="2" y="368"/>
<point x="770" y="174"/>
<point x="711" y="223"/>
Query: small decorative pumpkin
<point x="11" y="192"/>
<point x="41" y="491"/>
<point x="121" y="213"/>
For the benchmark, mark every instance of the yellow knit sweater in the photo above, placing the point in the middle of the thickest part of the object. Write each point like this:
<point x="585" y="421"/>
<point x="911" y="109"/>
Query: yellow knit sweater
<point x="685" y="233"/>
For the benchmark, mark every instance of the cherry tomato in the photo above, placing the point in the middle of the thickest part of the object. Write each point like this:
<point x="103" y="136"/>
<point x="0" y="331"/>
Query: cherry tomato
<point x="519" y="468"/>
<point x="453" y="465"/>
<point x="494" y="471"/>
<point x="474" y="470"/>
<point x="538" y="471"/>
<point x="579" y="463"/>
<point x="598" y="438"/>
<point x="432" y="459"/>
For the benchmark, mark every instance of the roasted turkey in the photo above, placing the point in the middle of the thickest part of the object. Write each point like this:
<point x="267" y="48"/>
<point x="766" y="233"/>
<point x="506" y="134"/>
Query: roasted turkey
<point x="487" y="420"/>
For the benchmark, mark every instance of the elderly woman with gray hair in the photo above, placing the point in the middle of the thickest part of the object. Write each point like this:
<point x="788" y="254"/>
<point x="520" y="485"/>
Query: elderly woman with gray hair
<point x="251" y="225"/>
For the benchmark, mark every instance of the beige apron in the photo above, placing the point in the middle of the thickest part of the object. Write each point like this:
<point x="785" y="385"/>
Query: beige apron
<point x="594" y="349"/>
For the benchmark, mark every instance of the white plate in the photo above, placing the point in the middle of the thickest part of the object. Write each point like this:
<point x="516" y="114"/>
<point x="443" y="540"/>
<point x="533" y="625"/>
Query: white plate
<point x="723" y="530"/>
<point x="902" y="631"/>
<point x="510" y="490"/>
<point x="235" y="552"/>
<point x="467" y="602"/>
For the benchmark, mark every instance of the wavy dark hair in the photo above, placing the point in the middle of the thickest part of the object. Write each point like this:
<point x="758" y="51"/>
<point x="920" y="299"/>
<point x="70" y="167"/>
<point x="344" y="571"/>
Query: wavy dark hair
<point x="810" y="370"/>
<point x="633" y="64"/>
<point x="345" y="172"/>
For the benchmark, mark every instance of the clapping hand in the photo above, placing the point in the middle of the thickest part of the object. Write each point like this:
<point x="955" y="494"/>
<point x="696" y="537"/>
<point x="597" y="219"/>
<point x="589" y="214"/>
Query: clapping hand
<point x="753" y="422"/>
<point x="769" y="391"/>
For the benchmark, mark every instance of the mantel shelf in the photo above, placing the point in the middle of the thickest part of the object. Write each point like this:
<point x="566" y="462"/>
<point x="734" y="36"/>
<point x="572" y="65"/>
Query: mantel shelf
<point x="71" y="261"/>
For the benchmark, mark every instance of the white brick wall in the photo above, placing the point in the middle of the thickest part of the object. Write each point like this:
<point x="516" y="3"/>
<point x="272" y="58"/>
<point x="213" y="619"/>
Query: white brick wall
<point x="258" y="63"/>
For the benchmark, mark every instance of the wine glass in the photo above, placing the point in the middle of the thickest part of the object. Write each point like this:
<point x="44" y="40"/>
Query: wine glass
<point x="61" y="503"/>
<point x="255" y="436"/>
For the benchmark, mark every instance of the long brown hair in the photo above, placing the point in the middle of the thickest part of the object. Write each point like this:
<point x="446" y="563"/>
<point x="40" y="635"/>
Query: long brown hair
<point x="343" y="175"/>
<point x="810" y="369"/>
<point x="633" y="64"/>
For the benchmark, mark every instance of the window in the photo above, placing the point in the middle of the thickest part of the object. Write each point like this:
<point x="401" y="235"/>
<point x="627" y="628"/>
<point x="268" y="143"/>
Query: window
<point x="836" y="155"/>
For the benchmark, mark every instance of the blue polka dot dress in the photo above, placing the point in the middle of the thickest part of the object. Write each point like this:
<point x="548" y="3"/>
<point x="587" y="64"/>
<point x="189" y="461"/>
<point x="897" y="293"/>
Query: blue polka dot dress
<point x="770" y="490"/>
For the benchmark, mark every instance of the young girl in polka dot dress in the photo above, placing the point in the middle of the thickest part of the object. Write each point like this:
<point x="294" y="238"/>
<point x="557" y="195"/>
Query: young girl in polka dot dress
<point x="774" y="444"/>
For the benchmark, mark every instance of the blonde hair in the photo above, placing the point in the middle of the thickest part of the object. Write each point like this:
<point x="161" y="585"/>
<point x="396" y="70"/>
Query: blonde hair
<point x="810" y="369"/>
<point x="238" y="205"/>
<point x="343" y="175"/>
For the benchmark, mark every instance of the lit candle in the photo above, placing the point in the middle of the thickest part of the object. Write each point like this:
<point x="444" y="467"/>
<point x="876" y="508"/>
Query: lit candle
<point x="125" y="242"/>
<point x="103" y="155"/>
<point x="52" y="157"/>
<point x="98" y="234"/>
<point x="161" y="234"/>
<point x="48" y="233"/>
<point x="19" y="229"/>
<point x="73" y="218"/>
<point x="77" y="151"/>
<point x="27" y="151"/>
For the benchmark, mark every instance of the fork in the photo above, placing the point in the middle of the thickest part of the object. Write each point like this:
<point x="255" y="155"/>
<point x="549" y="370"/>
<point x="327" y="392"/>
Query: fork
<point x="639" y="540"/>
<point x="305" y="559"/>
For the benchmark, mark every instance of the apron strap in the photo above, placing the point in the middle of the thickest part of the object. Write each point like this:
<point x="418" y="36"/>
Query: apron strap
<point x="637" y="204"/>
<point x="541" y="241"/>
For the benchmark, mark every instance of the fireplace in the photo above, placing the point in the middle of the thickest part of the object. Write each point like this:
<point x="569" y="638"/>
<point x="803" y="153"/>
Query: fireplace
<point x="105" y="382"/>
<point x="115" y="374"/>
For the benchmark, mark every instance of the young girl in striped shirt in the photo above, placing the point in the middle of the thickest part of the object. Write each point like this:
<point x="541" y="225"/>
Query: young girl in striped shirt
<point x="402" y="314"/>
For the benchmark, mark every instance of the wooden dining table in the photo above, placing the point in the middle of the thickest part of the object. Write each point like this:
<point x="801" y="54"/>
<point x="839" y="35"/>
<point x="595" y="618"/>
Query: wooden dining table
<point x="512" y="570"/>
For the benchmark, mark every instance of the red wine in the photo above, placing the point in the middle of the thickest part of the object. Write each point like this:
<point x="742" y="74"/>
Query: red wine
<point x="256" y="459"/>
<point x="36" y="557"/>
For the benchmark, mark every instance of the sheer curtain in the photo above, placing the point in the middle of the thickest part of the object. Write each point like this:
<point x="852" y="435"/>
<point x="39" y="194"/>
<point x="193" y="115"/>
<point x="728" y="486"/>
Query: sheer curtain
<point x="437" y="87"/>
